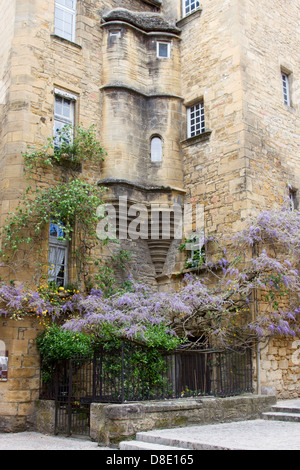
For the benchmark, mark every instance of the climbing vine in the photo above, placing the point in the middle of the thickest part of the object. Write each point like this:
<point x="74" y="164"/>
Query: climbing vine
<point x="71" y="205"/>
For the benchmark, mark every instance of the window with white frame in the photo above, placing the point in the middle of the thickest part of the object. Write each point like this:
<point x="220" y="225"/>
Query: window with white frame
<point x="58" y="255"/>
<point x="286" y="88"/>
<point x="156" y="149"/>
<point x="188" y="6"/>
<point x="65" y="19"/>
<point x="195" y="120"/>
<point x="163" y="50"/>
<point x="64" y="115"/>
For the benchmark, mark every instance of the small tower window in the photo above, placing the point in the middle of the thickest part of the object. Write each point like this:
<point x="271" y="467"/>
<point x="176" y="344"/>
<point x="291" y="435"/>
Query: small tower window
<point x="163" y="50"/>
<point x="156" y="149"/>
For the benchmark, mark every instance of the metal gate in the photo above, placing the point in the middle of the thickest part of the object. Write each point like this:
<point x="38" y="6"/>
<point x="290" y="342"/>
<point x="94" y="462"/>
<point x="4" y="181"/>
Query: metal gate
<point x="72" y="412"/>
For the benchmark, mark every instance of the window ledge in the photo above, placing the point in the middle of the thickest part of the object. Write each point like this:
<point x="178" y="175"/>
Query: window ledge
<point x="66" y="42"/>
<point x="190" y="17"/>
<point x="197" y="139"/>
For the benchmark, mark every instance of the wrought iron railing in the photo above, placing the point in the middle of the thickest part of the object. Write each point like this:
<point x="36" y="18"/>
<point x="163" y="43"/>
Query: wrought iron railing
<point x="125" y="374"/>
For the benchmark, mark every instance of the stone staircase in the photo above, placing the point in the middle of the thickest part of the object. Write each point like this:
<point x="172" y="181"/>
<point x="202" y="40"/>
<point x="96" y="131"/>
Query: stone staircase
<point x="288" y="410"/>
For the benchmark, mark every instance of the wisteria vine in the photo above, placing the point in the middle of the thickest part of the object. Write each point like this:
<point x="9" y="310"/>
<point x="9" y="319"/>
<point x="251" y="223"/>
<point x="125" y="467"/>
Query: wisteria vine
<point x="250" y="292"/>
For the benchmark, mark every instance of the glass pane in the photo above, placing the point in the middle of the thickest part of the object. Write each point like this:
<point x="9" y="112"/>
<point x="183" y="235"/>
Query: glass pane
<point x="156" y="149"/>
<point x="66" y="109"/>
<point x="58" y="105"/>
<point x="53" y="230"/>
<point x="163" y="50"/>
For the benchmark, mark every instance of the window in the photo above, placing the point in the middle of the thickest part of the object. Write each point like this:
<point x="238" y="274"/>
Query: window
<point x="65" y="19"/>
<point x="58" y="255"/>
<point x="64" y="115"/>
<point x="293" y="199"/>
<point x="195" y="120"/>
<point x="156" y="149"/>
<point x="3" y="362"/>
<point x="189" y="6"/>
<point x="286" y="88"/>
<point x="163" y="50"/>
<point x="115" y="34"/>
<point x="196" y="246"/>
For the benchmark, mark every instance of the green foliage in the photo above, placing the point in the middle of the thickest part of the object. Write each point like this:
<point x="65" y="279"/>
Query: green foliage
<point x="198" y="256"/>
<point x="56" y="344"/>
<point x="67" y="203"/>
<point x="105" y="276"/>
<point x="76" y="144"/>
<point x="72" y="204"/>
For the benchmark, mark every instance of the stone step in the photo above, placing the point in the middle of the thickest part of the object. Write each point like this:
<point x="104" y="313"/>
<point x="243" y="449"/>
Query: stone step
<point x="282" y="416"/>
<point x="142" y="445"/>
<point x="285" y="409"/>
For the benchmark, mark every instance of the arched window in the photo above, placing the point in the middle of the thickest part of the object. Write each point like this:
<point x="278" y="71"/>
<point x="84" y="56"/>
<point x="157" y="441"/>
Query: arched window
<point x="156" y="149"/>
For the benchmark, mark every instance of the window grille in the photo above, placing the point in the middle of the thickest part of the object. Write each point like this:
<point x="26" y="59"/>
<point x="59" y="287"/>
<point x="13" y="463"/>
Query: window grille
<point x="189" y="6"/>
<point x="196" y="120"/>
<point x="65" y="19"/>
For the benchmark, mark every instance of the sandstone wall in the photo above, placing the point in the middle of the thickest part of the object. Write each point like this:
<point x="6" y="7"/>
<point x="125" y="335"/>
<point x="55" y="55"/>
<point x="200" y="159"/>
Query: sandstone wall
<point x="19" y="393"/>
<point x="270" y="44"/>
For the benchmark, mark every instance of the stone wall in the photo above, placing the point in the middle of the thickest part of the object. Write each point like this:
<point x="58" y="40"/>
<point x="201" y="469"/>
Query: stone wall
<point x="280" y="368"/>
<point x="19" y="393"/>
<point x="111" y="424"/>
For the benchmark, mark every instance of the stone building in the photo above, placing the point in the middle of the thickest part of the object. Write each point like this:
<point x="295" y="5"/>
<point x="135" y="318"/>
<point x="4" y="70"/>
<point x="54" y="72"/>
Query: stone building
<point x="194" y="102"/>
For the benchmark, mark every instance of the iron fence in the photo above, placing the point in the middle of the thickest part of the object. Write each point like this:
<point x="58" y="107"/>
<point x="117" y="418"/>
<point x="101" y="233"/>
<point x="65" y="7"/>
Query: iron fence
<point x="132" y="373"/>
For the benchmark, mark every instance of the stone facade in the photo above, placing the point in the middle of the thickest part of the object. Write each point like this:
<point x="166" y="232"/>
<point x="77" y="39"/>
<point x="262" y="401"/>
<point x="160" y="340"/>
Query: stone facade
<point x="19" y="393"/>
<point x="228" y="55"/>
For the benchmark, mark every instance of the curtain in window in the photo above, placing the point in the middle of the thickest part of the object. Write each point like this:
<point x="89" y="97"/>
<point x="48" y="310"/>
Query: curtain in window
<point x="56" y="262"/>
